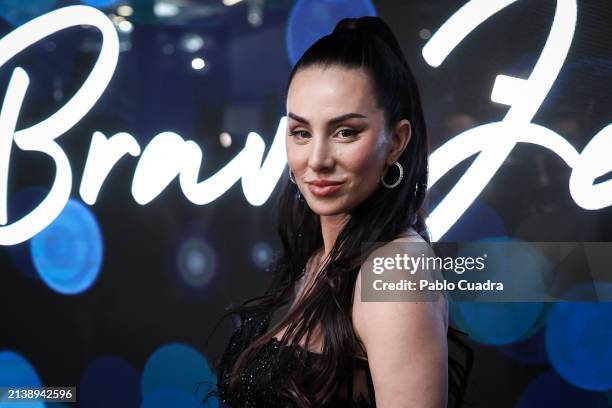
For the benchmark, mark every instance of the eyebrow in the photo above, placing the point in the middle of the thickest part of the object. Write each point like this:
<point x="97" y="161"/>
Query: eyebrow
<point x="333" y="121"/>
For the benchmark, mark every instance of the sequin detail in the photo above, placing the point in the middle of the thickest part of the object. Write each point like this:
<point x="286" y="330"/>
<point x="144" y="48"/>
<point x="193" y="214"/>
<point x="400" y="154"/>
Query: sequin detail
<point x="263" y="376"/>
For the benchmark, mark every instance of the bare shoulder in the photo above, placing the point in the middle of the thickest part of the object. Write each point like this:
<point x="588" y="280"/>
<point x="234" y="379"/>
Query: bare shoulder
<point x="409" y="235"/>
<point x="405" y="341"/>
<point x="370" y="317"/>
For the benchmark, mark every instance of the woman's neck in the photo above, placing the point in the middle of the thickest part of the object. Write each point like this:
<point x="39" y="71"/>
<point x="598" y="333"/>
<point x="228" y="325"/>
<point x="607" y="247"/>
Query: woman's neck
<point x="331" y="225"/>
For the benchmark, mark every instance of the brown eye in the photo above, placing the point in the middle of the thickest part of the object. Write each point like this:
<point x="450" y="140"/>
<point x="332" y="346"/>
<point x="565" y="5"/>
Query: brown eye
<point x="299" y="133"/>
<point x="346" y="133"/>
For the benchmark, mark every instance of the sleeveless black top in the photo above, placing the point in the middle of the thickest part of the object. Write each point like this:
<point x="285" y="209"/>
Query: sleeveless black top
<point x="263" y="376"/>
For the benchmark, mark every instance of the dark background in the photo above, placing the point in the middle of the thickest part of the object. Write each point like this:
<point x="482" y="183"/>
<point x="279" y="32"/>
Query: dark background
<point x="105" y="336"/>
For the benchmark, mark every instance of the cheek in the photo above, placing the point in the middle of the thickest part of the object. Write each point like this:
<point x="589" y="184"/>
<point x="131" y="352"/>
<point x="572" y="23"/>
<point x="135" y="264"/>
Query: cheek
<point x="365" y="159"/>
<point x="296" y="158"/>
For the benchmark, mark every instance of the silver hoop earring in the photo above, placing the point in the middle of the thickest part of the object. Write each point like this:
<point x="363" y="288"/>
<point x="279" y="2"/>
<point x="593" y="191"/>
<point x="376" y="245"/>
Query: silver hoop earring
<point x="291" y="176"/>
<point x="298" y="193"/>
<point x="399" y="179"/>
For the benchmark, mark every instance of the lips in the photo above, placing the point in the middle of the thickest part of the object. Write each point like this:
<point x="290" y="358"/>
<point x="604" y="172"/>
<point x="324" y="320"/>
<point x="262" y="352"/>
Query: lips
<point x="322" y="188"/>
<point x="324" y="183"/>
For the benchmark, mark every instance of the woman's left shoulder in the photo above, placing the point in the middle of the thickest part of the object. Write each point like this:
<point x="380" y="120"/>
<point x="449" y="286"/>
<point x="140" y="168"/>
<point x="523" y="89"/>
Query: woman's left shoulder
<point x="409" y="235"/>
<point x="408" y="242"/>
<point x="408" y="311"/>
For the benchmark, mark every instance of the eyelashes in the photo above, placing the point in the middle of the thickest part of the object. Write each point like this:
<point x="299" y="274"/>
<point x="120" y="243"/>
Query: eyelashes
<point x="342" y="133"/>
<point x="298" y="133"/>
<point x="348" y="132"/>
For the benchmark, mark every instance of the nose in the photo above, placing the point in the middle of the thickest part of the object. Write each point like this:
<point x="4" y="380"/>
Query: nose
<point x="321" y="154"/>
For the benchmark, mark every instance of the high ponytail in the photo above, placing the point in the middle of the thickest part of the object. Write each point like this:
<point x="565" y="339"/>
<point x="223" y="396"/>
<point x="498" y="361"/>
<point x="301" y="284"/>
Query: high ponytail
<point x="371" y="26"/>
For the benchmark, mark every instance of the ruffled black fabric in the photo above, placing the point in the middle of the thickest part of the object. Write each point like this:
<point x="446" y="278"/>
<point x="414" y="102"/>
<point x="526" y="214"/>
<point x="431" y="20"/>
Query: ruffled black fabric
<point x="265" y="373"/>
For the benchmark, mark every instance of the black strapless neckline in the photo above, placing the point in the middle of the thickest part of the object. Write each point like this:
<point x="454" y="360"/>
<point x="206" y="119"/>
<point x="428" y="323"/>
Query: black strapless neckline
<point x="294" y="346"/>
<point x="264" y="376"/>
<point x="271" y="368"/>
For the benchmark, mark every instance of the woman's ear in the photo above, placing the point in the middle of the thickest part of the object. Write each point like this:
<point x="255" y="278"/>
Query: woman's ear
<point x="399" y="139"/>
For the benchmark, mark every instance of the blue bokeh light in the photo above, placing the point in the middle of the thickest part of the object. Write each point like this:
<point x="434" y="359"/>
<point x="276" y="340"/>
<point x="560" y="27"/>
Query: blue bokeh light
<point x="101" y="4"/>
<point x="532" y="350"/>
<point x="15" y="370"/>
<point x="525" y="272"/>
<point x="497" y="323"/>
<point x="18" y="12"/>
<point x="478" y="222"/>
<point x="548" y="390"/>
<point x="168" y="397"/>
<point x="176" y="370"/>
<point x="312" y="19"/>
<point x="68" y="253"/>
<point x="262" y="255"/>
<point x="119" y="380"/>
<point x="578" y="339"/>
<point x="196" y="261"/>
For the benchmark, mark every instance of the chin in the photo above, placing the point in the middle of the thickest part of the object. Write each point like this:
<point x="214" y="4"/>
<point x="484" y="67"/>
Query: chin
<point x="331" y="207"/>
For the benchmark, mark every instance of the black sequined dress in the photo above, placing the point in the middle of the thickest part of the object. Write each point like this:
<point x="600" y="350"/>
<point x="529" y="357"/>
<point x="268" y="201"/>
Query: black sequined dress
<point x="263" y="376"/>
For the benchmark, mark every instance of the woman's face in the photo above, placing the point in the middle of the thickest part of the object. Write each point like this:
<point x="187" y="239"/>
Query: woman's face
<point x="337" y="147"/>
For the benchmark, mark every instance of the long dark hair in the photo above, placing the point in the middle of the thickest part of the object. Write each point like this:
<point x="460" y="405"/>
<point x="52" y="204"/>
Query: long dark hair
<point x="365" y="43"/>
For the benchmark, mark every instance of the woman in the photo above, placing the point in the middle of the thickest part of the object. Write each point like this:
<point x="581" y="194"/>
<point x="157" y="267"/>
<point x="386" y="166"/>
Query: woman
<point x="357" y="153"/>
